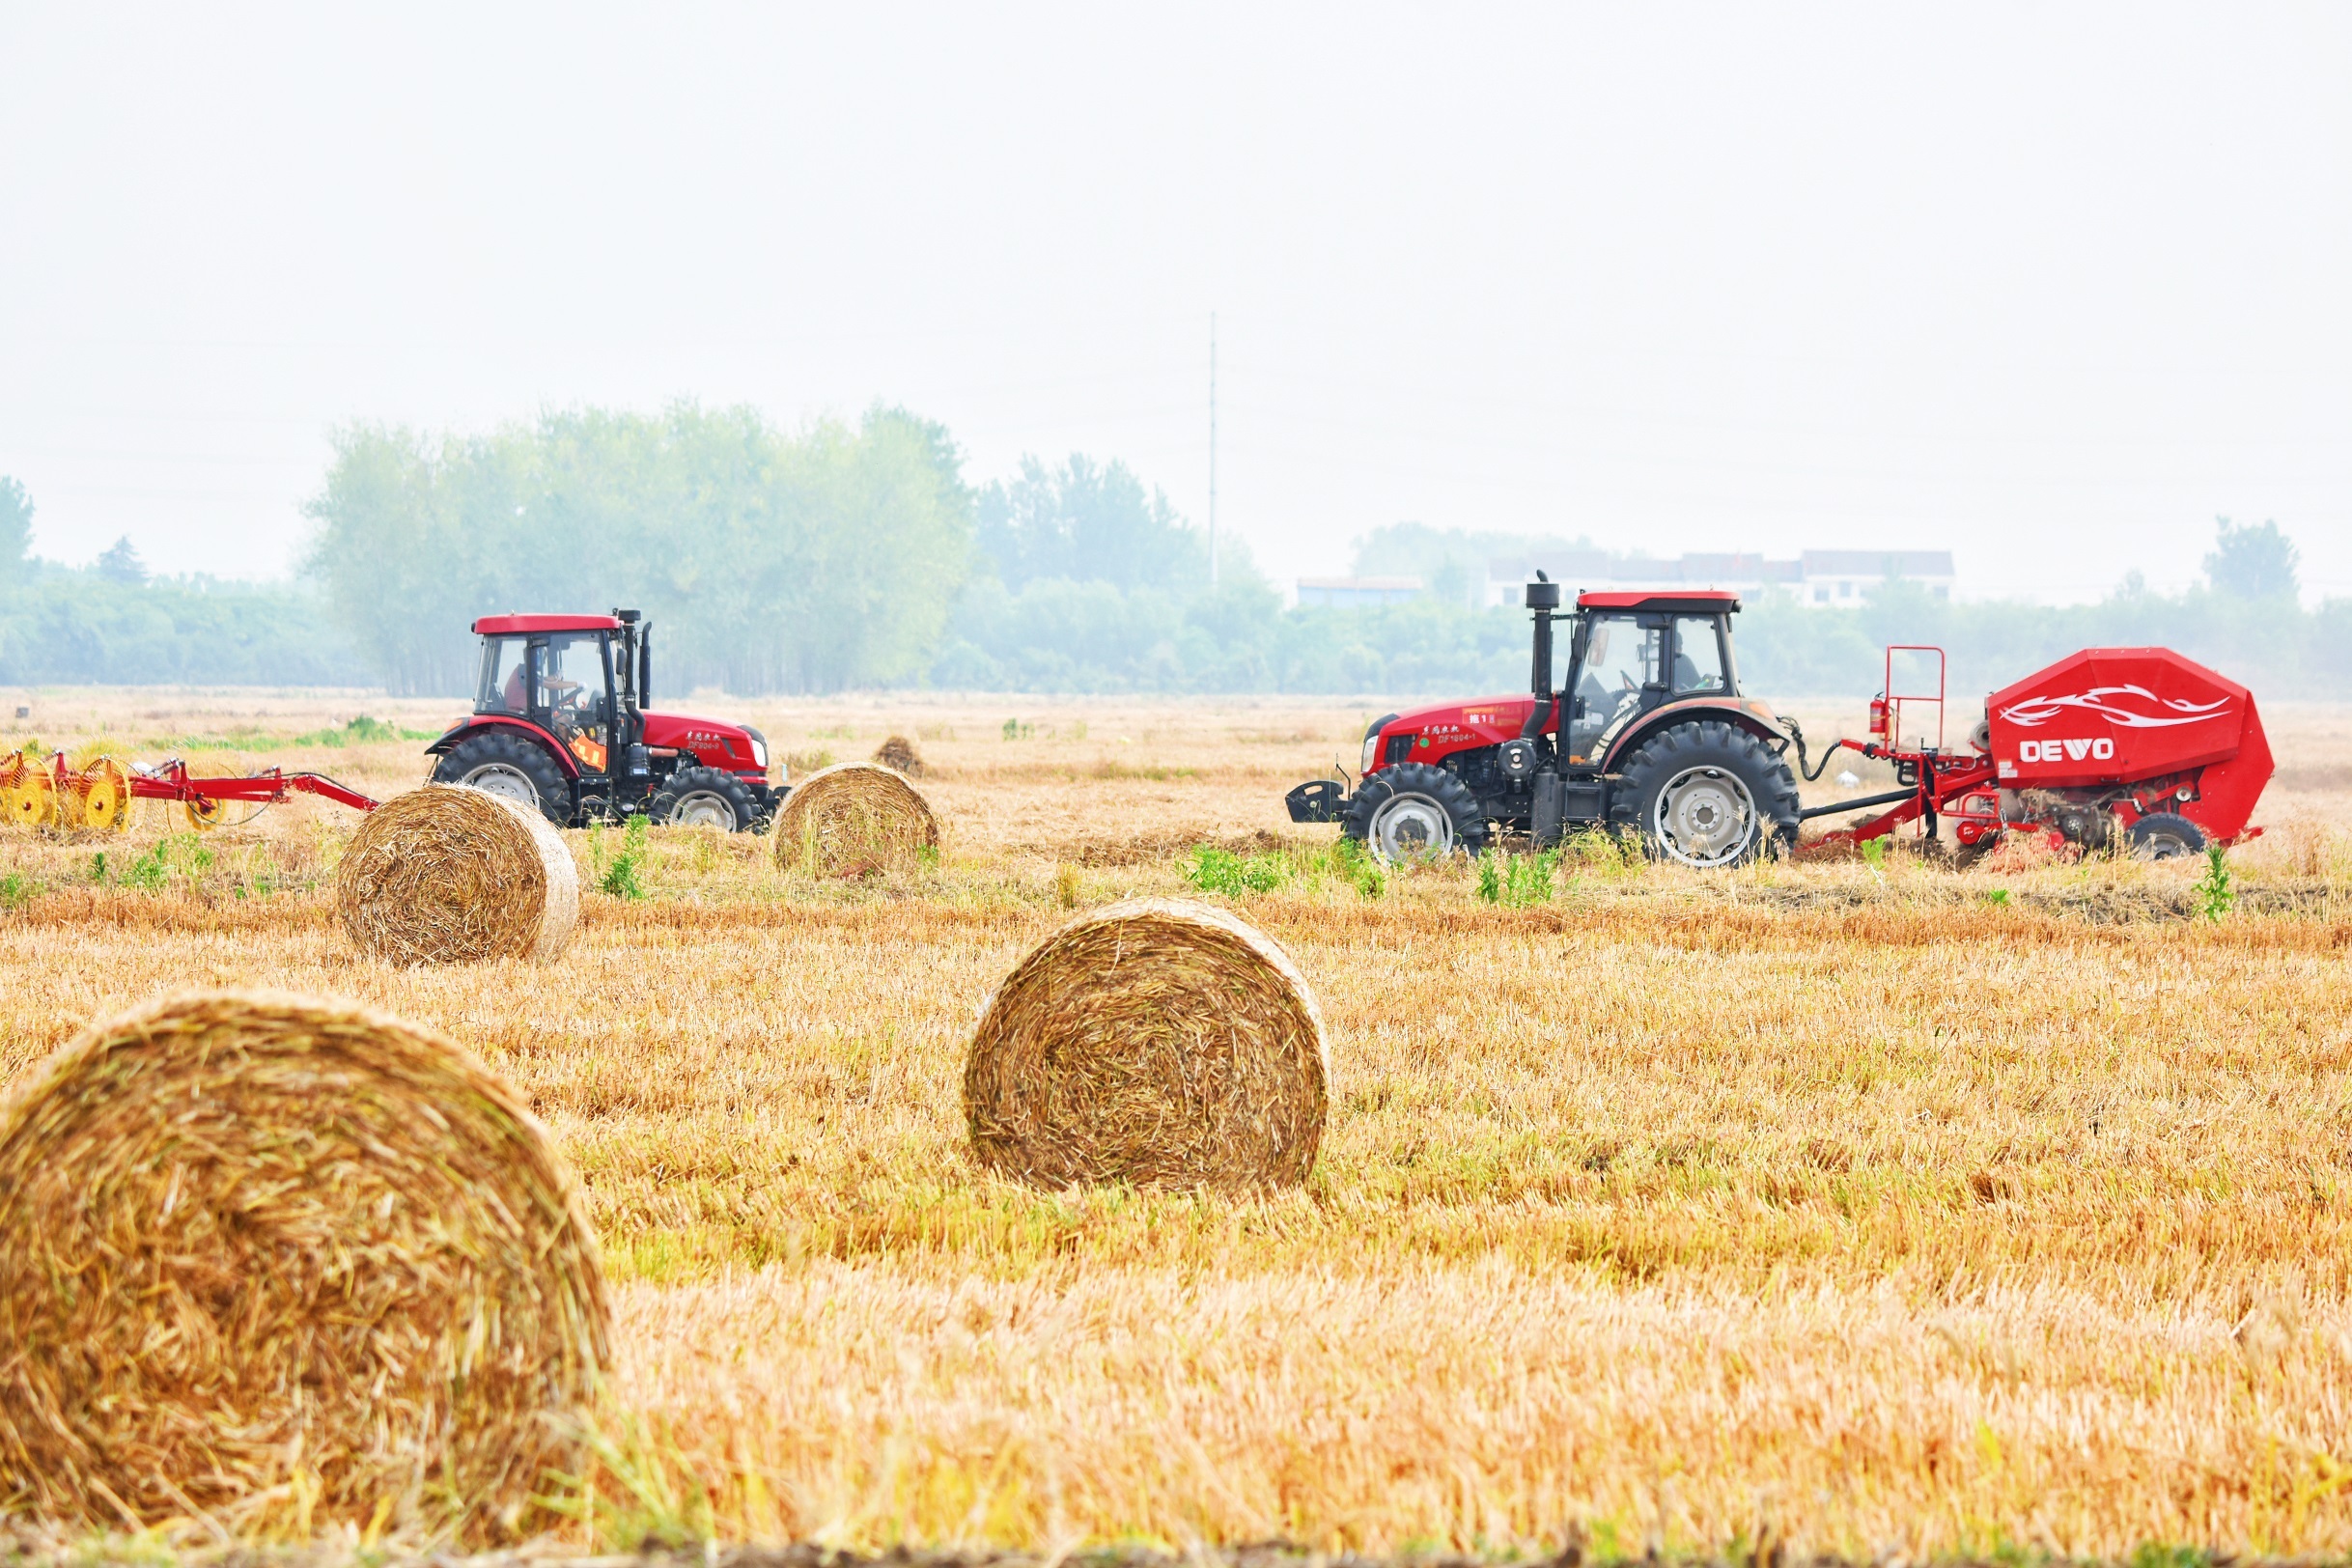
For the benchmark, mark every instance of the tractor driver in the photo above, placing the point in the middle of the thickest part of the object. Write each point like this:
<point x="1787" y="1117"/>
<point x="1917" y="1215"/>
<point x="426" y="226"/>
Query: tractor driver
<point x="514" y="697"/>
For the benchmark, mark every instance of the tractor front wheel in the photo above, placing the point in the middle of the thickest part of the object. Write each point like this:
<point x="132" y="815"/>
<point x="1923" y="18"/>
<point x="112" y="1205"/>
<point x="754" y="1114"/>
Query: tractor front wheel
<point x="705" y="798"/>
<point x="1411" y="811"/>
<point x="1710" y="795"/>
<point x="501" y="762"/>
<point x="2165" y="836"/>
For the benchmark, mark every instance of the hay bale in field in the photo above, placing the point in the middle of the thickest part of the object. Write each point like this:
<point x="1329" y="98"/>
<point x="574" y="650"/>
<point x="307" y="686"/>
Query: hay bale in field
<point x="852" y="819"/>
<point x="898" y="754"/>
<point x="449" y="875"/>
<point x="1154" y="1041"/>
<point x="255" y="1248"/>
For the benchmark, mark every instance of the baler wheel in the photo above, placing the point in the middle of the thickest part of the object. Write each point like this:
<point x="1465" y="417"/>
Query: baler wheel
<point x="2165" y="836"/>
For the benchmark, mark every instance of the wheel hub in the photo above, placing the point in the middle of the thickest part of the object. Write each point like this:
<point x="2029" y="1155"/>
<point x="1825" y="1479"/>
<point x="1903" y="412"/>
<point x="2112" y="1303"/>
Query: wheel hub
<point x="1412" y="828"/>
<point x="503" y="779"/>
<point x="704" y="809"/>
<point x="1705" y="817"/>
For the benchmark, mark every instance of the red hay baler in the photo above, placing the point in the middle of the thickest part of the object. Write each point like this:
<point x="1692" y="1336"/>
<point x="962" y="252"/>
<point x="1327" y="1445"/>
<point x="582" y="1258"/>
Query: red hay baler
<point x="2140" y="741"/>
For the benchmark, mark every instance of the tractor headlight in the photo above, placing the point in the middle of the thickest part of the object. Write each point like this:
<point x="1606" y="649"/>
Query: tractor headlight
<point x="759" y="747"/>
<point x="1371" y="753"/>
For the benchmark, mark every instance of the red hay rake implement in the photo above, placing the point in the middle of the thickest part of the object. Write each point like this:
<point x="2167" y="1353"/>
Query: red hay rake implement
<point x="44" y="792"/>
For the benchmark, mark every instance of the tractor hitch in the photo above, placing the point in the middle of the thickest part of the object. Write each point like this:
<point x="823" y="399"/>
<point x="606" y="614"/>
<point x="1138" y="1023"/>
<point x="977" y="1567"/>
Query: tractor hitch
<point x="1316" y="801"/>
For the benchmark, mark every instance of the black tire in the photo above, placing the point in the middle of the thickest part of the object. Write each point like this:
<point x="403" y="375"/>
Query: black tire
<point x="1709" y="794"/>
<point x="502" y="761"/>
<point x="708" y="796"/>
<point x="2165" y="836"/>
<point x="1410" y="802"/>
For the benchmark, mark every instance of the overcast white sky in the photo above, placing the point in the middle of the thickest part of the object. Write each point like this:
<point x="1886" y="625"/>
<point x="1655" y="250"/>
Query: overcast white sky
<point x="2053" y="286"/>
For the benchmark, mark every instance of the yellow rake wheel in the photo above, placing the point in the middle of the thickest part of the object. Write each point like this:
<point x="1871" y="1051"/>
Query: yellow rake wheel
<point x="206" y="815"/>
<point x="29" y="797"/>
<point x="100" y="797"/>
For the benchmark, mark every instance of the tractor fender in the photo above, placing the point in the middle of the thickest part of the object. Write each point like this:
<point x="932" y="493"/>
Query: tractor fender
<point x="468" y="728"/>
<point x="1690" y="711"/>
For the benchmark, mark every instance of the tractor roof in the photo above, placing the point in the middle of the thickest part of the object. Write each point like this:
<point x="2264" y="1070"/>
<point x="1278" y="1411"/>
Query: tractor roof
<point x="509" y="626"/>
<point x="1693" y="601"/>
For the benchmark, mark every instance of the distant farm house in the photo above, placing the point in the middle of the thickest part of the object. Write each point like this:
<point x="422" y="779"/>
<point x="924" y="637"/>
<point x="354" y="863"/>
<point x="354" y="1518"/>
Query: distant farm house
<point x="1354" y="593"/>
<point x="1822" y="579"/>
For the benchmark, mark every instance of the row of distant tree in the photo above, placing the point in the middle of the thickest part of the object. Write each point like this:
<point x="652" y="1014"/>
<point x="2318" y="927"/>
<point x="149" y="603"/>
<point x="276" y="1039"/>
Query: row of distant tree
<point x="112" y="622"/>
<point x="845" y="555"/>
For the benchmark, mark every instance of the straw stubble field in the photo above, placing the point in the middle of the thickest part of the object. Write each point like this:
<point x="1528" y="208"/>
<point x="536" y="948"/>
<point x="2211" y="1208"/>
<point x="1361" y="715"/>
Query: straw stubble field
<point x="1876" y="1208"/>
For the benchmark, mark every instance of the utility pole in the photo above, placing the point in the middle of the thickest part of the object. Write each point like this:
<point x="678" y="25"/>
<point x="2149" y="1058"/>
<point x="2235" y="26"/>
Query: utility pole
<point x="1213" y="450"/>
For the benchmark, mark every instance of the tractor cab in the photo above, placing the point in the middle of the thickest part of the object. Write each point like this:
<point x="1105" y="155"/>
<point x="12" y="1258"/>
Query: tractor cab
<point x="560" y="722"/>
<point x="557" y="673"/>
<point x="1632" y="654"/>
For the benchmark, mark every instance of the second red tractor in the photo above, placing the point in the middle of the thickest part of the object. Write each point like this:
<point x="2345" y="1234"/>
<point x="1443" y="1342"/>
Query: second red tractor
<point x="560" y="723"/>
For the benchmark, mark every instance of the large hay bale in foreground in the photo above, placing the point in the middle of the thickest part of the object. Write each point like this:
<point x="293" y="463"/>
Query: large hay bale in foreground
<point x="1154" y="1041"/>
<point x="854" y="819"/>
<point x="449" y="875"/>
<point x="252" y="1241"/>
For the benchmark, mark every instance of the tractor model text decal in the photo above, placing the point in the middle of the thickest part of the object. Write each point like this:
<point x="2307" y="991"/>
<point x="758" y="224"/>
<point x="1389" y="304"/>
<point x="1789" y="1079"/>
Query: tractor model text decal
<point x="2132" y="707"/>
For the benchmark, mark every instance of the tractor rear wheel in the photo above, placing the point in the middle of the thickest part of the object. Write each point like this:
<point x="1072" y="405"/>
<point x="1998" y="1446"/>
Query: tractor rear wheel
<point x="1411" y="811"/>
<point x="2165" y="836"/>
<point x="705" y="798"/>
<point x="1709" y="794"/>
<point x="501" y="762"/>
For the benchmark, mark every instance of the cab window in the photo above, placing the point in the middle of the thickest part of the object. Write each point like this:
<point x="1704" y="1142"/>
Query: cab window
<point x="1698" y="655"/>
<point x="506" y="678"/>
<point x="572" y="684"/>
<point x="1621" y="658"/>
<point x="572" y="695"/>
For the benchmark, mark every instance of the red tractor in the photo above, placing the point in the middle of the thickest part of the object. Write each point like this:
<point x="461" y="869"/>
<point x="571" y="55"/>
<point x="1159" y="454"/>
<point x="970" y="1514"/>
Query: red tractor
<point x="1650" y="733"/>
<point x="2128" y="747"/>
<point x="559" y="723"/>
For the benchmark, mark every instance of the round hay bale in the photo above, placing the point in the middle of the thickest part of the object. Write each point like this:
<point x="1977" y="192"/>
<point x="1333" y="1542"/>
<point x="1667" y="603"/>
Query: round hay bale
<point x="898" y="754"/>
<point x="852" y="819"/>
<point x="449" y="875"/>
<point x="1154" y="1041"/>
<point x="255" y="1247"/>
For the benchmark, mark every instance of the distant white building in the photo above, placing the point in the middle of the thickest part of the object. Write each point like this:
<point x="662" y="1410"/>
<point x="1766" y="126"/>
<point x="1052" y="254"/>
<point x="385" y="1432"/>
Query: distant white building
<point x="1823" y="580"/>
<point x="1352" y="592"/>
<point x="1831" y="577"/>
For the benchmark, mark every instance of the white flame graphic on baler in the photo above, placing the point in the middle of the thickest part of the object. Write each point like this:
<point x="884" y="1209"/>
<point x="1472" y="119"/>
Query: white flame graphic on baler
<point x="2035" y="712"/>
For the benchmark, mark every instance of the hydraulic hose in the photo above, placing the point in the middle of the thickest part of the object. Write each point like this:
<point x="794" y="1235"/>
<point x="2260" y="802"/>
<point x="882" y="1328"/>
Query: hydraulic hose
<point x="1796" y="732"/>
